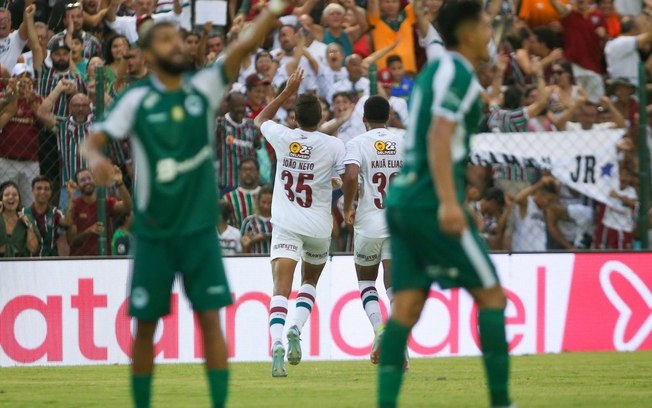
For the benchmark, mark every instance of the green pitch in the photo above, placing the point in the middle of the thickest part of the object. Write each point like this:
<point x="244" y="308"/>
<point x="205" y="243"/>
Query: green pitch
<point x="568" y="380"/>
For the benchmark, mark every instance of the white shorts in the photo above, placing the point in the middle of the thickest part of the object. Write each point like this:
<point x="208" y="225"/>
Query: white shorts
<point x="370" y="251"/>
<point x="288" y="244"/>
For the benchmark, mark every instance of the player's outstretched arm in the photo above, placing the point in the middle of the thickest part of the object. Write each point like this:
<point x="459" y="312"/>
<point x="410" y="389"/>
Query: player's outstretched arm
<point x="451" y="217"/>
<point x="291" y="88"/>
<point x="251" y="37"/>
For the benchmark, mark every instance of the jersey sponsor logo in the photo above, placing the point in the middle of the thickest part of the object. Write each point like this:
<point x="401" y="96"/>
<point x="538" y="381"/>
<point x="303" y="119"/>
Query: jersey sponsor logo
<point x="215" y="290"/>
<point x="139" y="297"/>
<point x="151" y="100"/>
<point x="193" y="105"/>
<point x="167" y="170"/>
<point x="384" y="148"/>
<point x="300" y="151"/>
<point x="157" y="117"/>
<point x="178" y="114"/>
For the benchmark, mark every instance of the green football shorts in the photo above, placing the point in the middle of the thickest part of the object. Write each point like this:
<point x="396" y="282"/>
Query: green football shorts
<point x="422" y="254"/>
<point x="195" y="257"/>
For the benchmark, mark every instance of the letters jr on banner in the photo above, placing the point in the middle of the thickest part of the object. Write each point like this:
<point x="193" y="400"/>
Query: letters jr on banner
<point x="586" y="161"/>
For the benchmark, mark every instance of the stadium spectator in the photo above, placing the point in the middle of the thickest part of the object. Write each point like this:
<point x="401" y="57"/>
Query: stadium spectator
<point x="586" y="117"/>
<point x="570" y="225"/>
<point x="333" y="72"/>
<point x="612" y="20"/>
<point x="491" y="213"/>
<point x="78" y="62"/>
<point x="544" y="44"/>
<point x="624" y="100"/>
<point x="334" y="30"/>
<point x="398" y="115"/>
<point x="242" y="200"/>
<point x="315" y="47"/>
<point x="257" y="88"/>
<point x="392" y="23"/>
<point x="292" y="55"/>
<point x="121" y="240"/>
<point x="48" y="218"/>
<point x="618" y="220"/>
<point x="256" y="229"/>
<point x="283" y="111"/>
<point x="12" y="43"/>
<point x="214" y="46"/>
<point x="425" y="13"/>
<point x="402" y="87"/>
<point x="115" y="51"/>
<point x="73" y="20"/>
<point x="71" y="131"/>
<point x="539" y="13"/>
<point x="127" y="26"/>
<point x="237" y="139"/>
<point x="228" y="235"/>
<point x="19" y="235"/>
<point x="341" y="125"/>
<point x="20" y="123"/>
<point x="355" y="84"/>
<point x="585" y="33"/>
<point x="564" y="90"/>
<point x="84" y="225"/>
<point x="43" y="39"/>
<point x="623" y="53"/>
<point x="530" y="222"/>
<point x="136" y="70"/>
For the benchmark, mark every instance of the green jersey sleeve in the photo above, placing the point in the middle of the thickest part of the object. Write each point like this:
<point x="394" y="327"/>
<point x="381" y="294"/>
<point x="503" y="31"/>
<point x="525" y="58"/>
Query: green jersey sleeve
<point x="121" y="117"/>
<point x="454" y="90"/>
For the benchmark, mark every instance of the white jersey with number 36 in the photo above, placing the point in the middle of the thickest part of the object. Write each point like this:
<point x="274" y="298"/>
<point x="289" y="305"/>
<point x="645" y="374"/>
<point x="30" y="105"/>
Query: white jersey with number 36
<point x="379" y="154"/>
<point x="306" y="163"/>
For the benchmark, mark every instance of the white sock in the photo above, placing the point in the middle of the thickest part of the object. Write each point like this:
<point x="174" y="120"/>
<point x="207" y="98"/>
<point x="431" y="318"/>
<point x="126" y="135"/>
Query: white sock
<point x="305" y="301"/>
<point x="369" y="296"/>
<point x="390" y="295"/>
<point x="278" y="312"/>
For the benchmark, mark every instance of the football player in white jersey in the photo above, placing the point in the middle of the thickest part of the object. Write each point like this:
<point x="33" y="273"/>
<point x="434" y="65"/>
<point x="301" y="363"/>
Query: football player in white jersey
<point x="301" y="213"/>
<point x="373" y="158"/>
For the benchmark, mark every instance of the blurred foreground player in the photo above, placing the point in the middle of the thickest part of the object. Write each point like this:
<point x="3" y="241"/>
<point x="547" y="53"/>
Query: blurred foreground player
<point x="169" y="117"/>
<point x="433" y="237"/>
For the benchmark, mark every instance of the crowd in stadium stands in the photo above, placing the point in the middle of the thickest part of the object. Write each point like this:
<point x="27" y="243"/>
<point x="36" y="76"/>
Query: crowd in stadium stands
<point x="558" y="65"/>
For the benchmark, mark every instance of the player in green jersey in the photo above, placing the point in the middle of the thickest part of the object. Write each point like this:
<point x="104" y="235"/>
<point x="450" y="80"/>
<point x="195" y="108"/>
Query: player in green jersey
<point x="170" y="117"/>
<point x="433" y="238"/>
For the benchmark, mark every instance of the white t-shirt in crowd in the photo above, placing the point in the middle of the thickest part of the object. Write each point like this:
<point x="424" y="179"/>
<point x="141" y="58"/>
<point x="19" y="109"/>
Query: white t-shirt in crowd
<point x="10" y="49"/>
<point x="230" y="241"/>
<point x="327" y="78"/>
<point x="126" y="25"/>
<point x="361" y="87"/>
<point x="318" y="51"/>
<point x="379" y="154"/>
<point x="309" y="83"/>
<point x="529" y="232"/>
<point x="28" y="58"/>
<point x="306" y="163"/>
<point x="622" y="58"/>
<point x="433" y="43"/>
<point x="618" y="215"/>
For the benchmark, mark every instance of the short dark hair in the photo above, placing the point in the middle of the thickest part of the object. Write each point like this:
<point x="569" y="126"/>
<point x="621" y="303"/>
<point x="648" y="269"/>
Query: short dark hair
<point x="495" y="194"/>
<point x="81" y="170"/>
<point x="265" y="189"/>
<point x="452" y="15"/>
<point x="393" y="58"/>
<point x="627" y="25"/>
<point x="249" y="160"/>
<point x="41" y="179"/>
<point x="376" y="109"/>
<point x="226" y="211"/>
<point x="77" y="36"/>
<point x="261" y="54"/>
<point x="345" y="94"/>
<point x="148" y="29"/>
<point x="513" y="97"/>
<point x="308" y="110"/>
<point x="547" y="36"/>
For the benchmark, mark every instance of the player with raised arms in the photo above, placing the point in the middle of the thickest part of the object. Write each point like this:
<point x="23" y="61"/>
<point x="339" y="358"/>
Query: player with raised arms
<point x="169" y="117"/>
<point x="433" y="236"/>
<point x="375" y="157"/>
<point x="307" y="160"/>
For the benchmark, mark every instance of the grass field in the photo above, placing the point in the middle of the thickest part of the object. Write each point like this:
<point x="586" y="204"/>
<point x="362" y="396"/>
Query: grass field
<point x="593" y="380"/>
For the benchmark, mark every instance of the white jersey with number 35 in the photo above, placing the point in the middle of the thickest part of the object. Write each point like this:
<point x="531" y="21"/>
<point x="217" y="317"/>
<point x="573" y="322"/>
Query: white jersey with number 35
<point x="306" y="163"/>
<point x="379" y="154"/>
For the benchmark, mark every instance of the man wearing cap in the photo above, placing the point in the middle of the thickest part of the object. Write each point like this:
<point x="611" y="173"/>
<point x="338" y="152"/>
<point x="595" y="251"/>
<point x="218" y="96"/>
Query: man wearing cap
<point x="143" y="10"/>
<point x="12" y="43"/>
<point x="257" y="86"/>
<point x="19" y="144"/>
<point x="74" y="17"/>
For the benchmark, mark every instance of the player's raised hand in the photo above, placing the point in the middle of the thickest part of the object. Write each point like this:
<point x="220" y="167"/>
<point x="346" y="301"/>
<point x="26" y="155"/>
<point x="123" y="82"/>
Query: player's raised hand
<point x="452" y="220"/>
<point x="294" y="82"/>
